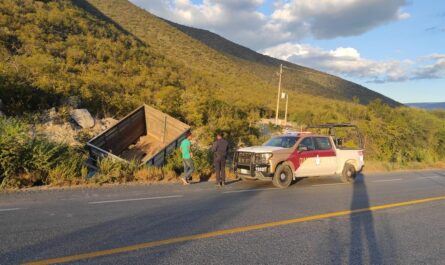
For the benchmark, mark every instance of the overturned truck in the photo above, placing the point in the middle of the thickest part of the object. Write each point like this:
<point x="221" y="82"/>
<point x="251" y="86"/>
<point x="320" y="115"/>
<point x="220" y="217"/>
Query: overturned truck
<point x="146" y="135"/>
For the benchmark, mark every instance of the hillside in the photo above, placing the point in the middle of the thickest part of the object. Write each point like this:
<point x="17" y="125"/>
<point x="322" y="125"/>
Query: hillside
<point x="218" y="55"/>
<point x="52" y="51"/>
<point x="431" y="105"/>
<point x="218" y="59"/>
<point x="300" y="78"/>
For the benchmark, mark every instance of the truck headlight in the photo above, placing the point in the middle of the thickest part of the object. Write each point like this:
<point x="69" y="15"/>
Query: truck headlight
<point x="262" y="158"/>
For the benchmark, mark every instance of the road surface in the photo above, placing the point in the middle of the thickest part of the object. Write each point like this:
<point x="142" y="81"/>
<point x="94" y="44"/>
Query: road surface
<point x="396" y="218"/>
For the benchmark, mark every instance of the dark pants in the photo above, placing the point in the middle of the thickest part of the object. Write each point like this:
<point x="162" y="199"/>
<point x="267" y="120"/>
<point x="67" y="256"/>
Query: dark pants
<point x="188" y="168"/>
<point x="220" y="169"/>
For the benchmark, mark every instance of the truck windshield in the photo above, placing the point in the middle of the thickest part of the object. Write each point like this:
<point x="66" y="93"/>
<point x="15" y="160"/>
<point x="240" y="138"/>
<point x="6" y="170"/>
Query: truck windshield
<point x="282" y="141"/>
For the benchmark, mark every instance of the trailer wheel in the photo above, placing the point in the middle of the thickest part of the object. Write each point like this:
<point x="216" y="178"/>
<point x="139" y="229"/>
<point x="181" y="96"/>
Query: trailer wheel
<point x="349" y="174"/>
<point x="283" y="176"/>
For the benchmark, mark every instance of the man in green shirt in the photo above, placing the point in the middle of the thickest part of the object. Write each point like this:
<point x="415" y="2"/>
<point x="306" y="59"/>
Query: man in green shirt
<point x="187" y="159"/>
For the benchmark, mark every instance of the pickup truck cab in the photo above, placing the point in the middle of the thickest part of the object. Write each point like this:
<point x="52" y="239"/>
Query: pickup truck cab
<point x="284" y="158"/>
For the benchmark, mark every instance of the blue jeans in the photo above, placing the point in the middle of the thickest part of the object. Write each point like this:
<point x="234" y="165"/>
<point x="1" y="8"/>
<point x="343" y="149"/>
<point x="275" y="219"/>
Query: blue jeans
<point x="188" y="168"/>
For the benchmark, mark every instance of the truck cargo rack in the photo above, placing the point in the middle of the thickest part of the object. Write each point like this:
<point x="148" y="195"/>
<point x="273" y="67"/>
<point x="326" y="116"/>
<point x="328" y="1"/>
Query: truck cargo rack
<point x="331" y="127"/>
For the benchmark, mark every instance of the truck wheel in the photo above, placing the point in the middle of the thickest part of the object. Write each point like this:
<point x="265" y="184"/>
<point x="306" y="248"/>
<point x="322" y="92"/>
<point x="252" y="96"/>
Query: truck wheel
<point x="349" y="174"/>
<point x="283" y="176"/>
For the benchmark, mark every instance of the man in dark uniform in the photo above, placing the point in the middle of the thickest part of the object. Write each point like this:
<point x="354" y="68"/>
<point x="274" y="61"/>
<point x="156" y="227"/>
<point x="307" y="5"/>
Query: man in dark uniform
<point x="220" y="148"/>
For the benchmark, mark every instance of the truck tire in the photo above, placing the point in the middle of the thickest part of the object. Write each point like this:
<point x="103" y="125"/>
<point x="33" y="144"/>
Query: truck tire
<point x="349" y="173"/>
<point x="283" y="176"/>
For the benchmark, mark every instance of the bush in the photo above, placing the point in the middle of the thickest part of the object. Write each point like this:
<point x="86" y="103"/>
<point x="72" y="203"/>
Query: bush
<point x="202" y="160"/>
<point x="174" y="162"/>
<point x="71" y="169"/>
<point x="27" y="159"/>
<point x="14" y="145"/>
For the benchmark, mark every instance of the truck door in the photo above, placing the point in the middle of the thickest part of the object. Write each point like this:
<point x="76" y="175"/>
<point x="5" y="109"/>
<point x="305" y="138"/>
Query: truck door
<point x="304" y="158"/>
<point x="326" y="156"/>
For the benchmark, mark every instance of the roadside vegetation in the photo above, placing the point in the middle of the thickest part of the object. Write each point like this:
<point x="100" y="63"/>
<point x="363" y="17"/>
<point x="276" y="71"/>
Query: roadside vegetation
<point x="27" y="159"/>
<point x="53" y="50"/>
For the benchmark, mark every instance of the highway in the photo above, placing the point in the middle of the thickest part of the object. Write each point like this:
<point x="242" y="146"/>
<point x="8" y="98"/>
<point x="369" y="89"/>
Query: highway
<point x="385" y="218"/>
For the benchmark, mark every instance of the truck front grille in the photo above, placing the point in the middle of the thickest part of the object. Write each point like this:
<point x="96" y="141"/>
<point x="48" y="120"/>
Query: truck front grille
<point x="244" y="158"/>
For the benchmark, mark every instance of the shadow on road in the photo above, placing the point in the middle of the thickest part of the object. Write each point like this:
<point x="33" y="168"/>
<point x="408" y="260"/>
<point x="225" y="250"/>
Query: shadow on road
<point x="171" y="219"/>
<point x="440" y="174"/>
<point x="364" y="248"/>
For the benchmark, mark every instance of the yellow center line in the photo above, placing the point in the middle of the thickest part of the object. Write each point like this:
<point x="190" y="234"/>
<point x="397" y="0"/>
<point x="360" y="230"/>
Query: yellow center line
<point x="229" y="231"/>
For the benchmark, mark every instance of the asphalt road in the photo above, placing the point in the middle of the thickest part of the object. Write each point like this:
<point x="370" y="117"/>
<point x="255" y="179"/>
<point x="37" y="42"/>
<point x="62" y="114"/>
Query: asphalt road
<point x="315" y="221"/>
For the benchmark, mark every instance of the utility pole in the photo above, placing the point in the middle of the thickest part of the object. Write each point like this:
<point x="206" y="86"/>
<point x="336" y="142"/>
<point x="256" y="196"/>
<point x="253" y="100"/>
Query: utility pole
<point x="285" y="115"/>
<point x="279" y="94"/>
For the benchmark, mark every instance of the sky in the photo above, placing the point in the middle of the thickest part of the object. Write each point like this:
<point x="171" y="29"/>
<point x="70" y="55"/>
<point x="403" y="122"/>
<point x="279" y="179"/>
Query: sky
<point x="394" y="47"/>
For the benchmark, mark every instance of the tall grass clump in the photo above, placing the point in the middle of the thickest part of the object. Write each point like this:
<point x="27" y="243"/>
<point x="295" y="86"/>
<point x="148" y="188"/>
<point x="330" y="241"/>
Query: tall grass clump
<point x="155" y="174"/>
<point x="70" y="170"/>
<point x="111" y="170"/>
<point x="27" y="159"/>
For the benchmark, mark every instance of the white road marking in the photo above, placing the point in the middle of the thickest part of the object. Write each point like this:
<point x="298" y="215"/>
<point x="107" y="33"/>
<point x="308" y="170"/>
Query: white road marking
<point x="137" y="199"/>
<point x="236" y="191"/>
<point x="427" y="177"/>
<point x="330" y="184"/>
<point x="386" y="180"/>
<point x="9" y="209"/>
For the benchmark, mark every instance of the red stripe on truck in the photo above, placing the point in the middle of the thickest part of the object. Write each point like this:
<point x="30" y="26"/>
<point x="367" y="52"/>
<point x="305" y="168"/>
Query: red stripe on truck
<point x="297" y="158"/>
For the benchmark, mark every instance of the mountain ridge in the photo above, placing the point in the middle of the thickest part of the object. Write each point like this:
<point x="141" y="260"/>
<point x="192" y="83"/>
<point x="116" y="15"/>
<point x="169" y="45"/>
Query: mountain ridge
<point x="427" y="105"/>
<point x="238" y="51"/>
<point x="221" y="55"/>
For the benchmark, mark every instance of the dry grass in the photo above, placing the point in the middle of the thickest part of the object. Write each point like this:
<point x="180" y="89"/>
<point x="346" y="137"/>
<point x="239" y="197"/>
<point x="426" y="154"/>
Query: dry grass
<point x="153" y="174"/>
<point x="378" y="166"/>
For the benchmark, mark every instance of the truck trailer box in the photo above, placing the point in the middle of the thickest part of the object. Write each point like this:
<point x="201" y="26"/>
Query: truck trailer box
<point x="146" y="135"/>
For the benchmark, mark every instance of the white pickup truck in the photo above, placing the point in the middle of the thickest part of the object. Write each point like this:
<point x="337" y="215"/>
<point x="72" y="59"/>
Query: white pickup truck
<point x="302" y="154"/>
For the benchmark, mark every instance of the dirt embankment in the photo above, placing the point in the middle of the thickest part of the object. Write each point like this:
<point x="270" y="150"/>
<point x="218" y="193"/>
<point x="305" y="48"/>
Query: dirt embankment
<point x="59" y="127"/>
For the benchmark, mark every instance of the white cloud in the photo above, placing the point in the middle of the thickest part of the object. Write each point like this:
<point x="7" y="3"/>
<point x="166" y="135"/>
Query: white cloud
<point x="348" y="62"/>
<point x="435" y="68"/>
<point x="289" y="20"/>
<point x="325" y="19"/>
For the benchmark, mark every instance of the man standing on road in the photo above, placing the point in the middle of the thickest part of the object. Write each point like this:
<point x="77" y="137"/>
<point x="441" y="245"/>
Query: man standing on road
<point x="187" y="159"/>
<point x="219" y="149"/>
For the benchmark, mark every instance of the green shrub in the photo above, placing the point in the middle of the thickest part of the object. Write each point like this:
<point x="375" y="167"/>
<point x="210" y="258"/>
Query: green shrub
<point x="70" y="169"/>
<point x="44" y="156"/>
<point x="28" y="160"/>
<point x="24" y="156"/>
<point x="174" y="162"/>
<point x="202" y="160"/>
<point x="14" y="147"/>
